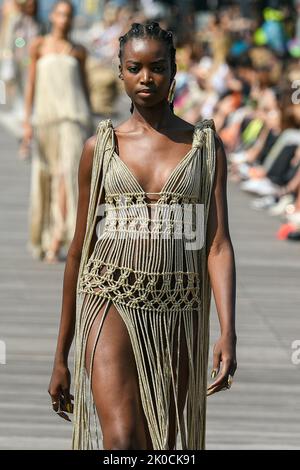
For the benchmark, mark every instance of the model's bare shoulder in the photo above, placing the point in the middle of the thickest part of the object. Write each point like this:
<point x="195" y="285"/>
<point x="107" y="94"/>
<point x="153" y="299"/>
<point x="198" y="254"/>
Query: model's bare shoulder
<point x="218" y="140"/>
<point x="86" y="160"/>
<point x="37" y="41"/>
<point x="220" y="148"/>
<point x="79" y="51"/>
<point x="90" y="143"/>
<point x="221" y="163"/>
<point x="35" y="46"/>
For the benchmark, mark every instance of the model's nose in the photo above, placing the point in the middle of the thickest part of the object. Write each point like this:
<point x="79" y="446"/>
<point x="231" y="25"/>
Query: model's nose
<point x="146" y="77"/>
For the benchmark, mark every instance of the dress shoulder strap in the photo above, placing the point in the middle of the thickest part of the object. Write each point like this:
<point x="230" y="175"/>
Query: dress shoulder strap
<point x="206" y="123"/>
<point x="103" y="125"/>
<point x="200" y="134"/>
<point x="104" y="140"/>
<point x="102" y="153"/>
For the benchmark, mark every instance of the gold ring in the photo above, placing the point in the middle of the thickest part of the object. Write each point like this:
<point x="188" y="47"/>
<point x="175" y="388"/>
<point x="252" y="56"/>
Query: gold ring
<point x="229" y="381"/>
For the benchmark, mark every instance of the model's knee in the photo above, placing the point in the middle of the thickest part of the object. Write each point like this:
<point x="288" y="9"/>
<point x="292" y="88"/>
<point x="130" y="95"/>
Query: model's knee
<point x="121" y="440"/>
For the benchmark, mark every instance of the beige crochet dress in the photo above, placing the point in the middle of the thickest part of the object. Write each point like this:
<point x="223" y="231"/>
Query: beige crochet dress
<point x="158" y="281"/>
<point x="62" y="122"/>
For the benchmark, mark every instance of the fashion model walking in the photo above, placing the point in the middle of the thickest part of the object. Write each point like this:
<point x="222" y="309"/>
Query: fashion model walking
<point x="138" y="278"/>
<point x="61" y="122"/>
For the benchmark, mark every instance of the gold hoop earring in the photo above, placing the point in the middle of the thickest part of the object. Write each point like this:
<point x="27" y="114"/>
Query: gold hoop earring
<point x="172" y="91"/>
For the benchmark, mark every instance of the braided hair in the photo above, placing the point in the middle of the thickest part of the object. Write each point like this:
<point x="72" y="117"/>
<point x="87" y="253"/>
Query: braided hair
<point x="154" y="31"/>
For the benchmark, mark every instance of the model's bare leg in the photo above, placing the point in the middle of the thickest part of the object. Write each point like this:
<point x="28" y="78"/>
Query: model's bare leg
<point x="115" y="385"/>
<point x="52" y="255"/>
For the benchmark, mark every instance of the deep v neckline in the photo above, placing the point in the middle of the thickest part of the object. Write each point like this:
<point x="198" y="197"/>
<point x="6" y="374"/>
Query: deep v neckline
<point x="134" y="178"/>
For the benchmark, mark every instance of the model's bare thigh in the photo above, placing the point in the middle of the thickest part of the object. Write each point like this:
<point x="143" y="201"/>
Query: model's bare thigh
<point x="115" y="385"/>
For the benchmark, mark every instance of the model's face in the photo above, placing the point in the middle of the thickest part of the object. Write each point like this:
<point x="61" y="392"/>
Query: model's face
<point x="146" y="71"/>
<point x="62" y="16"/>
<point x="30" y="7"/>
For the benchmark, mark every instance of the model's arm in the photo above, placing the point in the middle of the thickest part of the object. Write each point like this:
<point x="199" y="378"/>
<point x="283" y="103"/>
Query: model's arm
<point x="82" y="61"/>
<point x="60" y="380"/>
<point x="221" y="266"/>
<point x="30" y="86"/>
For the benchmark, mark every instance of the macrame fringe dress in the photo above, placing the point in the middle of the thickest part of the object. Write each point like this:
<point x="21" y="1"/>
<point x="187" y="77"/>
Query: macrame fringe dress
<point x="157" y="280"/>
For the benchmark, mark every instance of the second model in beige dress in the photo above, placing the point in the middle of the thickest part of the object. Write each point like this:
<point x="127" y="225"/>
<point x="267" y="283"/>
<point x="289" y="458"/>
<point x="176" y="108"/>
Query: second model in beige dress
<point x="62" y="122"/>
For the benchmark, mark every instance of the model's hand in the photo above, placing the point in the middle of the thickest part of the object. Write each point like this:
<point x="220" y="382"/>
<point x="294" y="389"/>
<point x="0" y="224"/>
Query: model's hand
<point x="59" y="390"/>
<point x="224" y="352"/>
<point x="27" y="131"/>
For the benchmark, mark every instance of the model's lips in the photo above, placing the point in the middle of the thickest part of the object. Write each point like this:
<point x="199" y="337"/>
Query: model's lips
<point x="146" y="91"/>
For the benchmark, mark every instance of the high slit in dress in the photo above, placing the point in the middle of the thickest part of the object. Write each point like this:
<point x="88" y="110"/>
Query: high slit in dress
<point x="151" y="264"/>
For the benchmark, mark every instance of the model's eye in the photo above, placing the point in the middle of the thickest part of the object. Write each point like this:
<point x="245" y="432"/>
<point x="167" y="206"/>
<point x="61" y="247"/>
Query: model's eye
<point x="133" y="69"/>
<point x="155" y="69"/>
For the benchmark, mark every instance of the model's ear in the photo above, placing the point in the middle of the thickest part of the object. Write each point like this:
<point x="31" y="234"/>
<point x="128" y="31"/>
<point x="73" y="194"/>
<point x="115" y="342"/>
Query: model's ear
<point x="120" y="72"/>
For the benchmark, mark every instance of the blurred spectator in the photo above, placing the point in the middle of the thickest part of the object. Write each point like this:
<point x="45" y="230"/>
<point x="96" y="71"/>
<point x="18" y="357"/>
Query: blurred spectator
<point x="237" y="62"/>
<point x="20" y="27"/>
<point x="102" y="66"/>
